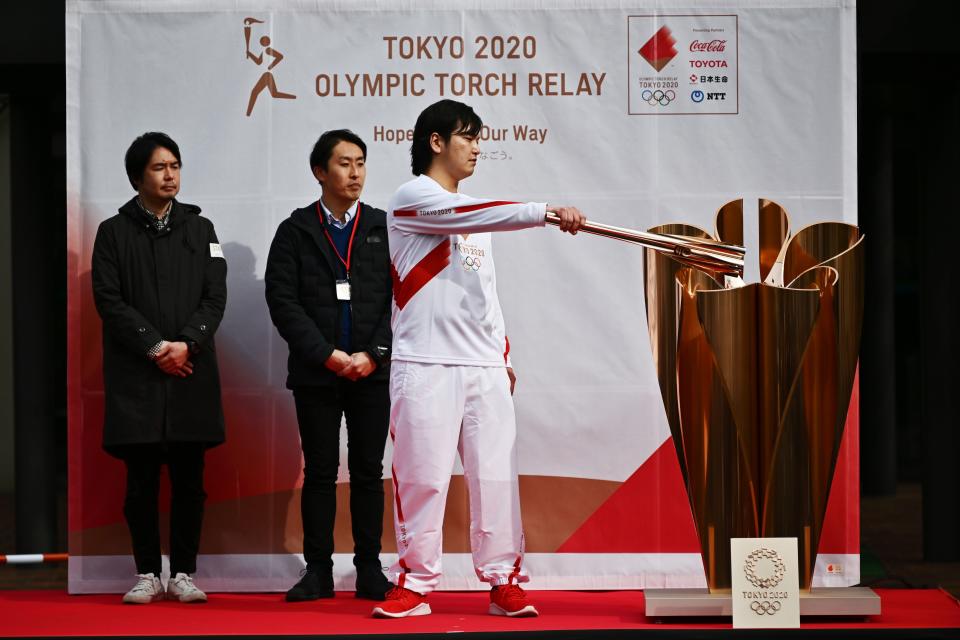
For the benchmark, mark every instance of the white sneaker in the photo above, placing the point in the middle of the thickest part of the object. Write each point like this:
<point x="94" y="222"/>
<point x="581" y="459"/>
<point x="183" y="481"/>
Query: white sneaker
<point x="147" y="589"/>
<point x="181" y="587"/>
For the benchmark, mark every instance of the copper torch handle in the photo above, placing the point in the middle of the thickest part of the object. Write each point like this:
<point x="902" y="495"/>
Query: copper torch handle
<point x="706" y="255"/>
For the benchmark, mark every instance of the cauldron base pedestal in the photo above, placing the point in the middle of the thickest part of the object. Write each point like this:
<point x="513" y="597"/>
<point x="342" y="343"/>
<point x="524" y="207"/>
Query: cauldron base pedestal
<point x="823" y="601"/>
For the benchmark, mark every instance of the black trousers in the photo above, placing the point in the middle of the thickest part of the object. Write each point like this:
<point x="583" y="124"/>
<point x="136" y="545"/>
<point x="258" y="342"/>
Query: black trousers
<point x="142" y="510"/>
<point x="366" y="405"/>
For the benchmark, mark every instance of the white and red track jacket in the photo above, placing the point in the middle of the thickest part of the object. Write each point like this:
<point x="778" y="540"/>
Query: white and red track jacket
<point x="445" y="305"/>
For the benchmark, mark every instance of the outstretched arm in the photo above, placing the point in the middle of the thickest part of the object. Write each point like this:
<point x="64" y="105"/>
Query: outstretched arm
<point x="444" y="213"/>
<point x="418" y="209"/>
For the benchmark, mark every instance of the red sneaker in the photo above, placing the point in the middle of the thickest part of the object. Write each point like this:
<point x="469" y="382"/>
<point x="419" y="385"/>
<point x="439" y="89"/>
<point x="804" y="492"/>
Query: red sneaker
<point x="511" y="601"/>
<point x="400" y="603"/>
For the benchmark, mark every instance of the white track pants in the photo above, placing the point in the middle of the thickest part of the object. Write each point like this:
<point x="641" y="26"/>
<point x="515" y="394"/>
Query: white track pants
<point x="437" y="411"/>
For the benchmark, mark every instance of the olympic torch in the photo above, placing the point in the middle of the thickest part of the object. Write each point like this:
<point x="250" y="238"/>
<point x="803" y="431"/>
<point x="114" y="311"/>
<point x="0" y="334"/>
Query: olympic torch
<point x="705" y="255"/>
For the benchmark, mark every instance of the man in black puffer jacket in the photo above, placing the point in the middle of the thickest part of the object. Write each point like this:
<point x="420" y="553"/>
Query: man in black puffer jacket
<point x="329" y="290"/>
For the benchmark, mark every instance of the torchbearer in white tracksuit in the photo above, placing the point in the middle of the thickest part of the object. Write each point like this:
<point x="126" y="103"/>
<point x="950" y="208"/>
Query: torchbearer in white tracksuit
<point x="451" y="380"/>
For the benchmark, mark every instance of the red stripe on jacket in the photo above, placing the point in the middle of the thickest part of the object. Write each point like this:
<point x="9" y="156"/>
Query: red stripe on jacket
<point x="422" y="273"/>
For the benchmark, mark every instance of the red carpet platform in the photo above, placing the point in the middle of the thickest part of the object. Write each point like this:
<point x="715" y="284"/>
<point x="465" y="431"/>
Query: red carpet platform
<point x="920" y="613"/>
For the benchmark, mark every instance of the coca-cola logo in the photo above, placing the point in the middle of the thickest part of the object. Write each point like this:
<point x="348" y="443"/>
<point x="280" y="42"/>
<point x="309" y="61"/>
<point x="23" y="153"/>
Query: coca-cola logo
<point x="713" y="45"/>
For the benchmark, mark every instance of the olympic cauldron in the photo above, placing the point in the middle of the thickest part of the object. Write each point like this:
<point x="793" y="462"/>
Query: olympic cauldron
<point x="756" y="378"/>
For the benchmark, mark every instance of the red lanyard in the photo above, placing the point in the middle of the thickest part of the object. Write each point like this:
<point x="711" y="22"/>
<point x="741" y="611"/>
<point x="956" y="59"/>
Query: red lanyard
<point x="356" y="223"/>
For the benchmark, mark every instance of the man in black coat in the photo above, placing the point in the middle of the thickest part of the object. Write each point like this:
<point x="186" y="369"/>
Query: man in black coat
<point x="329" y="290"/>
<point x="159" y="284"/>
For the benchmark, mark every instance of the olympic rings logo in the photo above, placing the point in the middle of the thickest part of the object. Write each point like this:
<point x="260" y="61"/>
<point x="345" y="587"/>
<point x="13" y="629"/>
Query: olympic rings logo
<point x="663" y="98"/>
<point x="765" y="607"/>
<point x="750" y="568"/>
<point x="469" y="263"/>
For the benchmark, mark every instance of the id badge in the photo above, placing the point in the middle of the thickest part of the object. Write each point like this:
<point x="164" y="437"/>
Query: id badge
<point x="343" y="290"/>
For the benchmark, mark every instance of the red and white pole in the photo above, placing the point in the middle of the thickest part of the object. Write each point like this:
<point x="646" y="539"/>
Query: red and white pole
<point x="33" y="558"/>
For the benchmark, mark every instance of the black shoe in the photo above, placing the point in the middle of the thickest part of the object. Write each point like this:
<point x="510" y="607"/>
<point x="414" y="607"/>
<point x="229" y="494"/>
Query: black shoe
<point x="314" y="584"/>
<point x="371" y="583"/>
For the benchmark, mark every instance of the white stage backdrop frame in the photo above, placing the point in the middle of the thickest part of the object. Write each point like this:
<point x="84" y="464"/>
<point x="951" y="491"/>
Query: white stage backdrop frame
<point x="568" y="128"/>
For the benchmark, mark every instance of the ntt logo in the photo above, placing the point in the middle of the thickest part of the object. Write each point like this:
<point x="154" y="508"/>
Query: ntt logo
<point x="696" y="95"/>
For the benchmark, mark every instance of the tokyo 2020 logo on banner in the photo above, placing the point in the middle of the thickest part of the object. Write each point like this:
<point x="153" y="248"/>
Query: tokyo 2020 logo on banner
<point x="682" y="65"/>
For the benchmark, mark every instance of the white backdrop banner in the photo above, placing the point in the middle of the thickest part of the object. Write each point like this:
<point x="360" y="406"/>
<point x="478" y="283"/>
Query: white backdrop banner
<point x="639" y="114"/>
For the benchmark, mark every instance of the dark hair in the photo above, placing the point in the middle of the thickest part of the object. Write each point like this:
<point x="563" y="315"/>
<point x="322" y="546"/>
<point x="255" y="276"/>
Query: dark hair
<point x="445" y="118"/>
<point x="138" y="155"/>
<point x="323" y="149"/>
